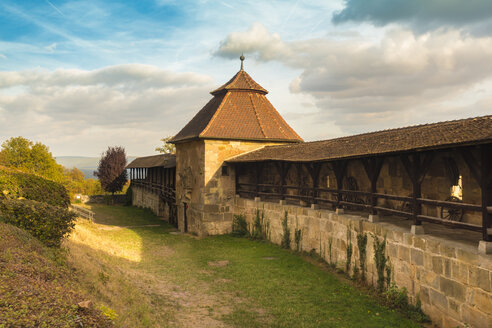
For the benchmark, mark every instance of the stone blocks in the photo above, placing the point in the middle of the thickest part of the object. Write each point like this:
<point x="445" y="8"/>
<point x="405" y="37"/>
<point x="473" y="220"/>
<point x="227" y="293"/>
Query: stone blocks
<point x="452" y="280"/>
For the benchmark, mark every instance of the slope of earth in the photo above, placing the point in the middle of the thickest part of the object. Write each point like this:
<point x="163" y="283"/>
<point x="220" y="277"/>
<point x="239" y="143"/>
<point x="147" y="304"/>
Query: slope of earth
<point x="153" y="276"/>
<point x="37" y="287"/>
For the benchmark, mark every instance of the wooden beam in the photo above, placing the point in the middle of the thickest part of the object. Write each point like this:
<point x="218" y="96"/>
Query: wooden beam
<point x="486" y="186"/>
<point x="417" y="165"/>
<point x="340" y="170"/>
<point x="314" y="170"/>
<point x="373" y="166"/>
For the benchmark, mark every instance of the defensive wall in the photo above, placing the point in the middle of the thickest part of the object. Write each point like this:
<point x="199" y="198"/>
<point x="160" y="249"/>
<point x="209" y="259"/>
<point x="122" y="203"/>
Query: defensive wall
<point x="452" y="280"/>
<point x="145" y="198"/>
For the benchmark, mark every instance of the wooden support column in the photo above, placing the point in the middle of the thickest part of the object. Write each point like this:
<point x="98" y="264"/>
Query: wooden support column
<point x="481" y="170"/>
<point x="314" y="170"/>
<point x="486" y="186"/>
<point x="372" y="166"/>
<point x="259" y="171"/>
<point x="237" y="171"/>
<point x="416" y="165"/>
<point x="282" y="170"/>
<point x="340" y="170"/>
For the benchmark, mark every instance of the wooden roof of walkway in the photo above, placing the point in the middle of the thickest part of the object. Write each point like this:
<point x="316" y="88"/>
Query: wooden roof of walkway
<point x="162" y="160"/>
<point x="448" y="134"/>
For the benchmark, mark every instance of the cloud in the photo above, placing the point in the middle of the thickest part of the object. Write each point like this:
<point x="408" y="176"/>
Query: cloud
<point x="420" y="14"/>
<point x="257" y="39"/>
<point x="57" y="106"/>
<point x="363" y="85"/>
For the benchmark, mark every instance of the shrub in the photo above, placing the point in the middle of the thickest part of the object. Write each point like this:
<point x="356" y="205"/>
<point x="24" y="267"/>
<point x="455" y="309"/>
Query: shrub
<point x="239" y="226"/>
<point x="380" y="259"/>
<point x="298" y="239"/>
<point x="46" y="222"/>
<point x="349" y="251"/>
<point x="397" y="298"/>
<point x="33" y="187"/>
<point x="286" y="233"/>
<point x="361" y="244"/>
<point x="260" y="226"/>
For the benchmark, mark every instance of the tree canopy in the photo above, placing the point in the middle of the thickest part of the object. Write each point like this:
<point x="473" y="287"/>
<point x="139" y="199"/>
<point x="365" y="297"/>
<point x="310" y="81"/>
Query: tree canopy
<point x="111" y="171"/>
<point x="166" y="148"/>
<point x="25" y="155"/>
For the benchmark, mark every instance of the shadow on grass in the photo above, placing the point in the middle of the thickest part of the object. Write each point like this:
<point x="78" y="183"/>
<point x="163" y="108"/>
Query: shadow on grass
<point x="172" y="282"/>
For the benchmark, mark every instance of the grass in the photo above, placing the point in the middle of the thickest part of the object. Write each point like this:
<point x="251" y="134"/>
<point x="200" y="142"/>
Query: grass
<point x="152" y="278"/>
<point x="36" y="285"/>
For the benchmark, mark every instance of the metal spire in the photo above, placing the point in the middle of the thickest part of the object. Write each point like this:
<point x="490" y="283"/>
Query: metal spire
<point x="242" y="60"/>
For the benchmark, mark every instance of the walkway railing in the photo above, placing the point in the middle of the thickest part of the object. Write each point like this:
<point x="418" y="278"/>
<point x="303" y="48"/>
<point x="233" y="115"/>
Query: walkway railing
<point x="343" y="198"/>
<point x="83" y="212"/>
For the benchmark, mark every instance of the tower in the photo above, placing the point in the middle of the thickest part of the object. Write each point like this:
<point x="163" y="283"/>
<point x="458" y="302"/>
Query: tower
<point x="239" y="118"/>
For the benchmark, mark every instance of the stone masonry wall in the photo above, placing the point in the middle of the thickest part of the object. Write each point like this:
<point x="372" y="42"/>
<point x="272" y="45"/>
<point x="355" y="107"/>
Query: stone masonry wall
<point x="453" y="281"/>
<point x="201" y="184"/>
<point x="219" y="188"/>
<point x="146" y="199"/>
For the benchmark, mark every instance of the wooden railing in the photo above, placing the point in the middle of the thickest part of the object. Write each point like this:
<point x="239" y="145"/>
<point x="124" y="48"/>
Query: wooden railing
<point x="83" y="212"/>
<point x="311" y="196"/>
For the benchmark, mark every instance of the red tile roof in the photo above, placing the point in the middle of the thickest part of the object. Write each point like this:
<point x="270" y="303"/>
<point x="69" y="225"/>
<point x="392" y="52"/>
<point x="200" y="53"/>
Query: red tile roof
<point x="239" y="110"/>
<point x="240" y="81"/>
<point x="463" y="132"/>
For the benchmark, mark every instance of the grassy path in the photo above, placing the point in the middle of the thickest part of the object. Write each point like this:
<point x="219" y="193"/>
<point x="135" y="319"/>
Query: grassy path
<point x="132" y="262"/>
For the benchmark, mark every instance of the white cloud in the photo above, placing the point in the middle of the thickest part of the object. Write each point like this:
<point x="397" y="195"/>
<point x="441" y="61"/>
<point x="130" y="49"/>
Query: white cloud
<point x="366" y="85"/>
<point x="63" y="105"/>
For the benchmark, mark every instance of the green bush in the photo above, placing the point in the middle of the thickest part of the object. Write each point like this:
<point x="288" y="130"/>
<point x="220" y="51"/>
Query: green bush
<point x="286" y="233"/>
<point x="46" y="222"/>
<point x="260" y="229"/>
<point x="33" y="187"/>
<point x="239" y="226"/>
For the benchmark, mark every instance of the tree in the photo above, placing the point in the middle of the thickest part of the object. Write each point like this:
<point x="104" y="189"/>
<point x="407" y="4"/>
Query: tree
<point x="111" y="171"/>
<point x="25" y="155"/>
<point x="167" y="147"/>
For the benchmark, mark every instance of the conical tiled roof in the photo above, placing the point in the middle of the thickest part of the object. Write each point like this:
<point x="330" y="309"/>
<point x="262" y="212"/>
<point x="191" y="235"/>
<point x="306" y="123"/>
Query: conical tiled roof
<point x="239" y="110"/>
<point x="240" y="81"/>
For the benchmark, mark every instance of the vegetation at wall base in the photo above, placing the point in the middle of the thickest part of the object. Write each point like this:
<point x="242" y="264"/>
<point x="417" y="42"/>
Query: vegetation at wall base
<point x="361" y="245"/>
<point x="37" y="287"/>
<point x="240" y="226"/>
<point x="380" y="259"/>
<point x="298" y="239"/>
<point x="285" y="232"/>
<point x="46" y="222"/>
<point x="260" y="229"/>
<point x="349" y="251"/>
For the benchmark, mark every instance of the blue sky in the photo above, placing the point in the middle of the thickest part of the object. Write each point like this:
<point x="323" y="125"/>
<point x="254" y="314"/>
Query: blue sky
<point x="82" y="75"/>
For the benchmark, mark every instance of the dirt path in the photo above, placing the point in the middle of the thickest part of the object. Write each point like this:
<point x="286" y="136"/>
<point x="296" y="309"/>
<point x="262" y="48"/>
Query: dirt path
<point x="116" y="266"/>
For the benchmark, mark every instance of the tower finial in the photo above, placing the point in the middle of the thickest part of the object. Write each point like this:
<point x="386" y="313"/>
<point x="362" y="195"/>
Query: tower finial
<point x="242" y="60"/>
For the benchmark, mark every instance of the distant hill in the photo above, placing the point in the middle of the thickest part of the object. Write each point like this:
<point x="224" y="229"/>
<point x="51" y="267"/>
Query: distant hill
<point x="86" y="164"/>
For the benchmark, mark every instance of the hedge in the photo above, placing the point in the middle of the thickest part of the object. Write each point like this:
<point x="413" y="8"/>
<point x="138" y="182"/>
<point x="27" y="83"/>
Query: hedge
<point x="33" y="187"/>
<point x="46" y="222"/>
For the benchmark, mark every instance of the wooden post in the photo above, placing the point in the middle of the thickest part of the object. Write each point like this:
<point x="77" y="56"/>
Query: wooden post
<point x="236" y="177"/>
<point x="282" y="170"/>
<point x="258" y="170"/>
<point x="314" y="170"/>
<point x="481" y="171"/>
<point x="372" y="166"/>
<point x="416" y="166"/>
<point x="340" y="169"/>
<point x="486" y="186"/>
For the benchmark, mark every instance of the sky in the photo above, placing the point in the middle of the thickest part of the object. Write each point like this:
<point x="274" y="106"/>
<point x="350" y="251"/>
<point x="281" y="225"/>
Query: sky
<point x="80" y="76"/>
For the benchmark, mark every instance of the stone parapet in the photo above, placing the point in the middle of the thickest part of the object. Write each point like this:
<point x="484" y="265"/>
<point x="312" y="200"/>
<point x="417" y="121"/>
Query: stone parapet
<point x="452" y="279"/>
